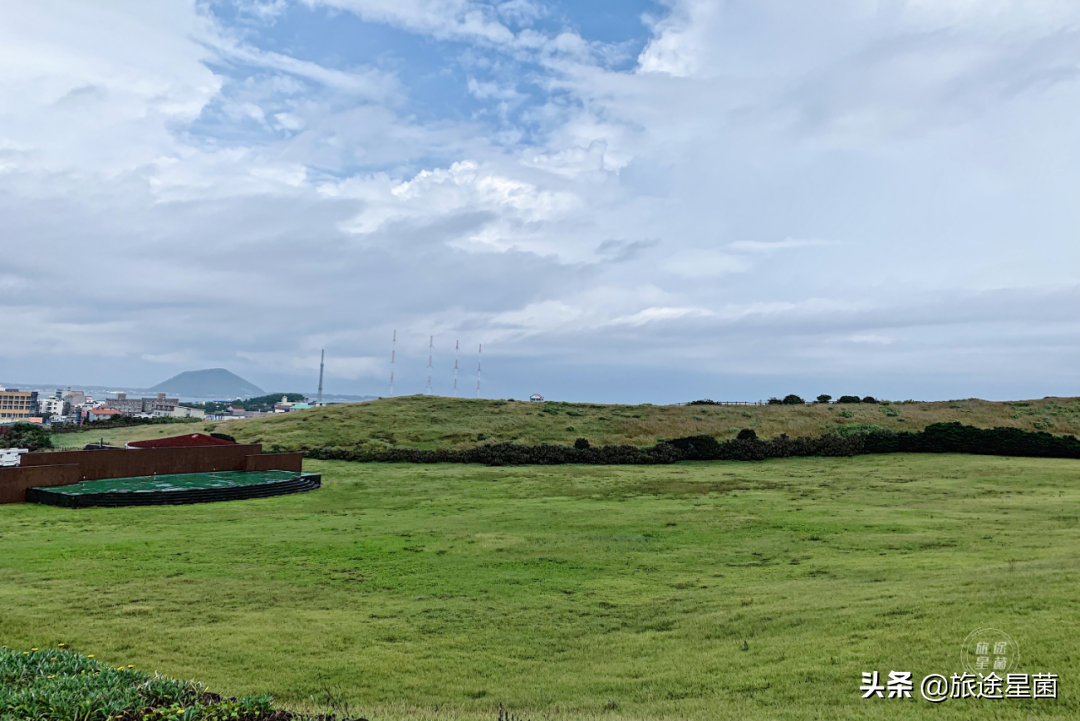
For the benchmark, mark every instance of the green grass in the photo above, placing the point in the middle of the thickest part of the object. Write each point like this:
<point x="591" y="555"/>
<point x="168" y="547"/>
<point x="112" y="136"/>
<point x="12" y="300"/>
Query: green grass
<point x="703" y="591"/>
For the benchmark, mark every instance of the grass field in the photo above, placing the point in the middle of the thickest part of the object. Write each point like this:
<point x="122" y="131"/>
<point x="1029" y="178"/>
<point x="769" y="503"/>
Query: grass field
<point x="696" y="591"/>
<point x="436" y="422"/>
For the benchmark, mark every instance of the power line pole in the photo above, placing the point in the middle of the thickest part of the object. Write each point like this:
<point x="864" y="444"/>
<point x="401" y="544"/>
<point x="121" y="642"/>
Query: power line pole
<point x="479" y="359"/>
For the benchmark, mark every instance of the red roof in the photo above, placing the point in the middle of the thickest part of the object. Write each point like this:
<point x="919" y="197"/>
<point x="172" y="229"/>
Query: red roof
<point x="188" y="441"/>
<point x="104" y="411"/>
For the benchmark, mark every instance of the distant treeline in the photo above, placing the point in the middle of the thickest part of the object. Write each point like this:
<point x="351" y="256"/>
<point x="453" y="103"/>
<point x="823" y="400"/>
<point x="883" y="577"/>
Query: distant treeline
<point x="119" y="422"/>
<point x="935" y="438"/>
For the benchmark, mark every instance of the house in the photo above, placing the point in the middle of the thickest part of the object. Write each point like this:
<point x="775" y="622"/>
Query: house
<point x="103" y="413"/>
<point x="536" y="397"/>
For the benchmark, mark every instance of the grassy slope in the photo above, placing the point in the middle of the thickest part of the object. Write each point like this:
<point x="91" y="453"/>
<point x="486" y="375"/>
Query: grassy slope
<point x="430" y="422"/>
<point x="436" y="422"/>
<point x="438" y="591"/>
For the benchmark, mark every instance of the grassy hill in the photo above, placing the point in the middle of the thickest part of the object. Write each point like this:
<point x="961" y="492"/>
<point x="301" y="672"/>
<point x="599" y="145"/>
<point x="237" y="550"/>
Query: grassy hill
<point x="437" y="422"/>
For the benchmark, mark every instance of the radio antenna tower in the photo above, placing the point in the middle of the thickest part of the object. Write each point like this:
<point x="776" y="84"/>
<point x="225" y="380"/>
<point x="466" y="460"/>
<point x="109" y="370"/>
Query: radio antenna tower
<point x="479" y="358"/>
<point x="322" y="362"/>
<point x="457" y="349"/>
<point x="431" y="353"/>
<point x="393" y="354"/>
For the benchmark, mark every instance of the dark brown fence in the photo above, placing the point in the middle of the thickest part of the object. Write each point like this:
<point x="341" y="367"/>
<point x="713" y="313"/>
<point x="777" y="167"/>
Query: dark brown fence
<point x="63" y="468"/>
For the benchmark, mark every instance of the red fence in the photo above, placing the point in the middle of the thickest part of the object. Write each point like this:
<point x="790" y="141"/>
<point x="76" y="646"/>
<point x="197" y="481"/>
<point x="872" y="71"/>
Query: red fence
<point x="63" y="468"/>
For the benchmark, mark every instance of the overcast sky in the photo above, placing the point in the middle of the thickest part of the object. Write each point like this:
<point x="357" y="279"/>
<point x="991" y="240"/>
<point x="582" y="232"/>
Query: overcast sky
<point x="623" y="200"/>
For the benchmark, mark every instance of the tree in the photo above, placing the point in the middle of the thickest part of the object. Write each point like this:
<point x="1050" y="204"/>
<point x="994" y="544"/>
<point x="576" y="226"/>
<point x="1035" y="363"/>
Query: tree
<point x="775" y="401"/>
<point x="824" y="398"/>
<point x="793" y="400"/>
<point x="869" y="399"/>
<point x="849" y="399"/>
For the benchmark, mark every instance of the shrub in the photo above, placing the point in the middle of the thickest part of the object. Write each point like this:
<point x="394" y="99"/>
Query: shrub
<point x="849" y="399"/>
<point x="571" y="429"/>
<point x="869" y="399"/>
<point x="582" y="444"/>
<point x="793" y="400"/>
<point x="747" y="434"/>
<point x="703" y="402"/>
<point x="25" y="435"/>
<point x="775" y="401"/>
<point x="824" y="398"/>
<point x="859" y="429"/>
<point x="890" y="412"/>
<point x="846" y="414"/>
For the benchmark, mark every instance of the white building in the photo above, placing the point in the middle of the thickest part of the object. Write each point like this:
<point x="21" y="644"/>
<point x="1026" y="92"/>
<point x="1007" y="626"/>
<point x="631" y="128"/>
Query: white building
<point x="179" y="412"/>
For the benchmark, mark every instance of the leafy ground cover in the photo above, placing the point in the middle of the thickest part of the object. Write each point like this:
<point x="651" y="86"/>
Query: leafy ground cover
<point x="56" y="684"/>
<point x="435" y="422"/>
<point x="694" y="591"/>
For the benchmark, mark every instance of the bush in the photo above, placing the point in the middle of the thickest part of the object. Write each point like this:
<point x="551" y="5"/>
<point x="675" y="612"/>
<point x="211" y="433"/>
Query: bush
<point x="25" y="435"/>
<point x="703" y="402"/>
<point x="859" y="429"/>
<point x="775" y="401"/>
<point x="792" y="400"/>
<point x="747" y="434"/>
<point x="846" y="414"/>
<point x="869" y="399"/>
<point x="824" y="398"/>
<point x="582" y="444"/>
<point x="849" y="399"/>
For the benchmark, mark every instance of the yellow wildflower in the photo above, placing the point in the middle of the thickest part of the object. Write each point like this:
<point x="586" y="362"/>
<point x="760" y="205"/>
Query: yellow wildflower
<point x="90" y="656"/>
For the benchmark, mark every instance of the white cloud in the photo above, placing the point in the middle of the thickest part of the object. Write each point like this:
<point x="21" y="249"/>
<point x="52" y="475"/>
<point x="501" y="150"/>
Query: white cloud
<point x="167" y="171"/>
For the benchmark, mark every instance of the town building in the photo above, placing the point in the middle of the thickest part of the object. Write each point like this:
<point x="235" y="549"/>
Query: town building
<point x="136" y="406"/>
<point x="103" y="413"/>
<point x="75" y="398"/>
<point x="52" y="406"/>
<point x="536" y="397"/>
<point x="17" y="405"/>
<point x="178" y="412"/>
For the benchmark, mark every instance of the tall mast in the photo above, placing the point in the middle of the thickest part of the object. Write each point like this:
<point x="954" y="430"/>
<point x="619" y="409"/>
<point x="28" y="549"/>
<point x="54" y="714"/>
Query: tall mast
<point x="393" y="354"/>
<point x="322" y="362"/>
<point x="430" y="367"/>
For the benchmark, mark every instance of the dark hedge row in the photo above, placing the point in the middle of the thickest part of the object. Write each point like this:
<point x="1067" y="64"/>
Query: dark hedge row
<point x="957" y="438"/>
<point x="935" y="438"/>
<point x="694" y="448"/>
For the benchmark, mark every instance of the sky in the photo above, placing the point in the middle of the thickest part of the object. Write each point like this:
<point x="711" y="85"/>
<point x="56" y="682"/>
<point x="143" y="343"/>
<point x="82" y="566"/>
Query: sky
<point x="622" y="200"/>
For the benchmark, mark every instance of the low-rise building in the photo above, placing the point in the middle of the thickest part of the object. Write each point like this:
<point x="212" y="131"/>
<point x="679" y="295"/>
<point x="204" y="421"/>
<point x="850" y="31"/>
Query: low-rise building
<point x="17" y="405"/>
<point x="135" y="406"/>
<point x="536" y="397"/>
<point x="103" y="413"/>
<point x="178" y="412"/>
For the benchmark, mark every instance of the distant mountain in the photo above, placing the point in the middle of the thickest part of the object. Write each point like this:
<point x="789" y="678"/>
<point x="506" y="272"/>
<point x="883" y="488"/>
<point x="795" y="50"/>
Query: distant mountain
<point x="209" y="383"/>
